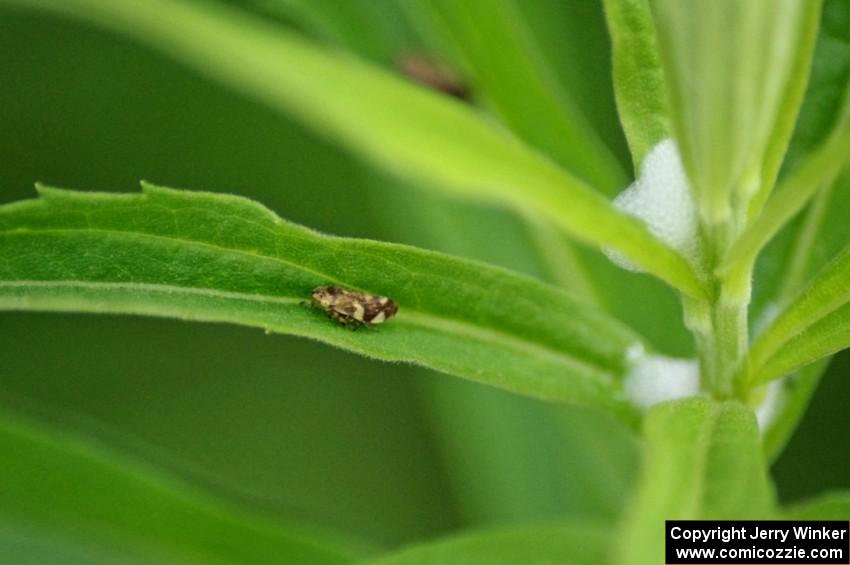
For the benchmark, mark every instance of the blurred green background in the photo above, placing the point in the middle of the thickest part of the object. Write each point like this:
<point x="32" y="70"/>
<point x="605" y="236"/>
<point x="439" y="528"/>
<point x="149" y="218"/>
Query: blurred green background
<point x="387" y="452"/>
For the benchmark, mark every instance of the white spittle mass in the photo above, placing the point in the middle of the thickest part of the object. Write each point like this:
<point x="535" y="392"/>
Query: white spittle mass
<point x="770" y="406"/>
<point x="655" y="378"/>
<point x="662" y="199"/>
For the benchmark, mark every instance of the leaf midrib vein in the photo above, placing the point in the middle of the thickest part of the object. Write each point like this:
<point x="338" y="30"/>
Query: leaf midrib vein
<point x="327" y="278"/>
<point x="411" y="317"/>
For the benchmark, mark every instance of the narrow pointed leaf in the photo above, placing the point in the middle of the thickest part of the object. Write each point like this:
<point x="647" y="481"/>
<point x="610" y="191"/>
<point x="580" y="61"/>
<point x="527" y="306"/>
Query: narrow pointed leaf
<point x="224" y="258"/>
<point x="802" y="249"/>
<point x="729" y="68"/>
<point x="826" y="337"/>
<point x="800" y="66"/>
<point x="63" y="488"/>
<point x="567" y="544"/>
<point x="702" y="461"/>
<point x="816" y="171"/>
<point x="815" y="324"/>
<point x="638" y="75"/>
<point x="408" y="130"/>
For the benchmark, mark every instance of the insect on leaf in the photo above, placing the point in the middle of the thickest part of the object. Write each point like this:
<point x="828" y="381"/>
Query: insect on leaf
<point x="223" y="258"/>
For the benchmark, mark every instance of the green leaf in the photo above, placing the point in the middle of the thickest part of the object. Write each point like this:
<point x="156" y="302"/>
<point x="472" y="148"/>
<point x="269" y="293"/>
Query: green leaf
<point x="808" y="243"/>
<point x="638" y="76"/>
<point x="829" y="335"/>
<point x="223" y="258"/>
<point x="731" y="68"/>
<point x="702" y="461"/>
<point x="566" y="544"/>
<point x="62" y="488"/>
<point x="408" y="130"/>
<point x="815" y="324"/>
<point x="827" y="87"/>
<point x="511" y="73"/>
<point x="799" y="68"/>
<point x="817" y="171"/>
<point x="828" y="506"/>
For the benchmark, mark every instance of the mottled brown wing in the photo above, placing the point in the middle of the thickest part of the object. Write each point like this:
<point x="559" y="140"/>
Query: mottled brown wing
<point x="377" y="309"/>
<point x="345" y="303"/>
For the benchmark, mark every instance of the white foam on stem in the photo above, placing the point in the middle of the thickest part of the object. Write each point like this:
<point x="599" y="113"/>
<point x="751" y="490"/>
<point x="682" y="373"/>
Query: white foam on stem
<point x="655" y="378"/>
<point x="769" y="407"/>
<point x="662" y="199"/>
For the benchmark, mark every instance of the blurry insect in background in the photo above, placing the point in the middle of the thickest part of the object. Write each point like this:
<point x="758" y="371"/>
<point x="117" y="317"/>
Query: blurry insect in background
<point x="353" y="308"/>
<point x="433" y="74"/>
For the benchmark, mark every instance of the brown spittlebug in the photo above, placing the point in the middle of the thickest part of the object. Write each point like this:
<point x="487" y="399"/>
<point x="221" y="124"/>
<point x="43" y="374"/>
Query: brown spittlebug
<point x="353" y="308"/>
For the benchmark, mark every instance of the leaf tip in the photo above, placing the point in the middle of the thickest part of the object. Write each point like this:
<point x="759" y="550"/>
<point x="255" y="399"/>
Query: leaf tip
<point x="46" y="192"/>
<point x="151" y="188"/>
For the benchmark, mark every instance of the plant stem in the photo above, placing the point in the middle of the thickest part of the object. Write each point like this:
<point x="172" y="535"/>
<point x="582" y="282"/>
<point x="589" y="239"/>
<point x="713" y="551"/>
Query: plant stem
<point x="720" y="323"/>
<point x="731" y="328"/>
<point x="720" y="330"/>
